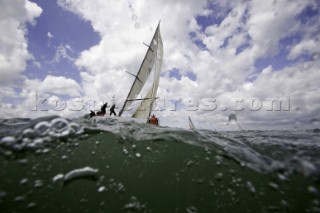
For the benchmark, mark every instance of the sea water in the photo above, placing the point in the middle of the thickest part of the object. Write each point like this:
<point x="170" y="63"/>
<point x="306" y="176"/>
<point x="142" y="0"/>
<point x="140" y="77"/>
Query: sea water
<point x="53" y="164"/>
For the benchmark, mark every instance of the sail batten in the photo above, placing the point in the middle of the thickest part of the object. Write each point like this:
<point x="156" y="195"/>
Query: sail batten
<point x="153" y="58"/>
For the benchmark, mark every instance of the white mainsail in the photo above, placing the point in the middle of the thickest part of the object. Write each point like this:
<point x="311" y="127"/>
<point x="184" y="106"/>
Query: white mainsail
<point x="152" y="59"/>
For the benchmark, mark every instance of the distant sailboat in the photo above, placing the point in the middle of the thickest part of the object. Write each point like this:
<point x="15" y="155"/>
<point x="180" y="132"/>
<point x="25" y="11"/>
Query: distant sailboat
<point x="191" y="125"/>
<point x="152" y="59"/>
<point x="233" y="119"/>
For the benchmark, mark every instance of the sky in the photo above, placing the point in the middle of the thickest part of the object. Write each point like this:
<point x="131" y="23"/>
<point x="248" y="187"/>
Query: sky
<point x="258" y="60"/>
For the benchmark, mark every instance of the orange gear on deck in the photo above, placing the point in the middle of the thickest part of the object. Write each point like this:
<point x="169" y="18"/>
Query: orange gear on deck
<point x="153" y="120"/>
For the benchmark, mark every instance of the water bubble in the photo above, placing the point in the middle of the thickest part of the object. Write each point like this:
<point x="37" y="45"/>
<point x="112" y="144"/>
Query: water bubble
<point x="282" y="177"/>
<point x="134" y="205"/>
<point x="284" y="203"/>
<point x="46" y="151"/>
<point x="313" y="190"/>
<point x="125" y="151"/>
<point x="8" y="153"/>
<point x="75" y="128"/>
<point x="59" y="127"/>
<point x="274" y="186"/>
<point x="134" y="17"/>
<point x="218" y="176"/>
<point x="101" y="189"/>
<point x="42" y="128"/>
<point x="149" y="149"/>
<point x="191" y="209"/>
<point x="189" y="163"/>
<point x="23" y="181"/>
<point x="138" y="155"/>
<point x="8" y="140"/>
<point x="120" y="187"/>
<point x="31" y="205"/>
<point x="38" y="183"/>
<point x="57" y="178"/>
<point x="137" y="25"/>
<point x="59" y="124"/>
<point x="200" y="181"/>
<point x="251" y="187"/>
<point x="28" y="132"/>
<point x="19" y="198"/>
<point x="81" y="173"/>
<point x="26" y="140"/>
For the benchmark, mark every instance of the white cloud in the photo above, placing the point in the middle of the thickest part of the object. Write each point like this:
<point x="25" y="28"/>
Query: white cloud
<point x="36" y="64"/>
<point x="13" y="45"/>
<point x="50" y="36"/>
<point x="63" y="51"/>
<point x="58" y="85"/>
<point x="123" y="30"/>
<point x="271" y="21"/>
<point x="304" y="47"/>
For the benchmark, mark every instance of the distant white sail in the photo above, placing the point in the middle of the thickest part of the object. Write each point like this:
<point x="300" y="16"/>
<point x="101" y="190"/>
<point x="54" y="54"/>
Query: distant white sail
<point x="191" y="125"/>
<point x="153" y="57"/>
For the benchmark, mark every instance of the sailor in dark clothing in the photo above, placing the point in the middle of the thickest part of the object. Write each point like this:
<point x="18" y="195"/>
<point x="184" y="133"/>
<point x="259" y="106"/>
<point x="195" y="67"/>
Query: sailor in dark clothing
<point x="92" y="114"/>
<point x="102" y="111"/>
<point x="112" y="110"/>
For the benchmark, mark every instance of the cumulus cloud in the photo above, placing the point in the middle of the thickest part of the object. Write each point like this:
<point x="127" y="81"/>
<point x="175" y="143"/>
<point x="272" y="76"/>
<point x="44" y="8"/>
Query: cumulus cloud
<point x="122" y="35"/>
<point x="58" y="85"/>
<point x="14" y="17"/>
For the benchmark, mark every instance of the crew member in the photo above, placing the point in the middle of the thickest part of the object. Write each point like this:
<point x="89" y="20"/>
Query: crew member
<point x="112" y="110"/>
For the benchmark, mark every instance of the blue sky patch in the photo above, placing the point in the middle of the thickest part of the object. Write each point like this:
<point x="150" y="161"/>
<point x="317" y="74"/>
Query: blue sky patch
<point x="174" y="73"/>
<point x="67" y="30"/>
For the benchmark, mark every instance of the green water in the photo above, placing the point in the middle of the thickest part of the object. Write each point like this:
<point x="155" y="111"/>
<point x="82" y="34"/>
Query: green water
<point x="149" y="169"/>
